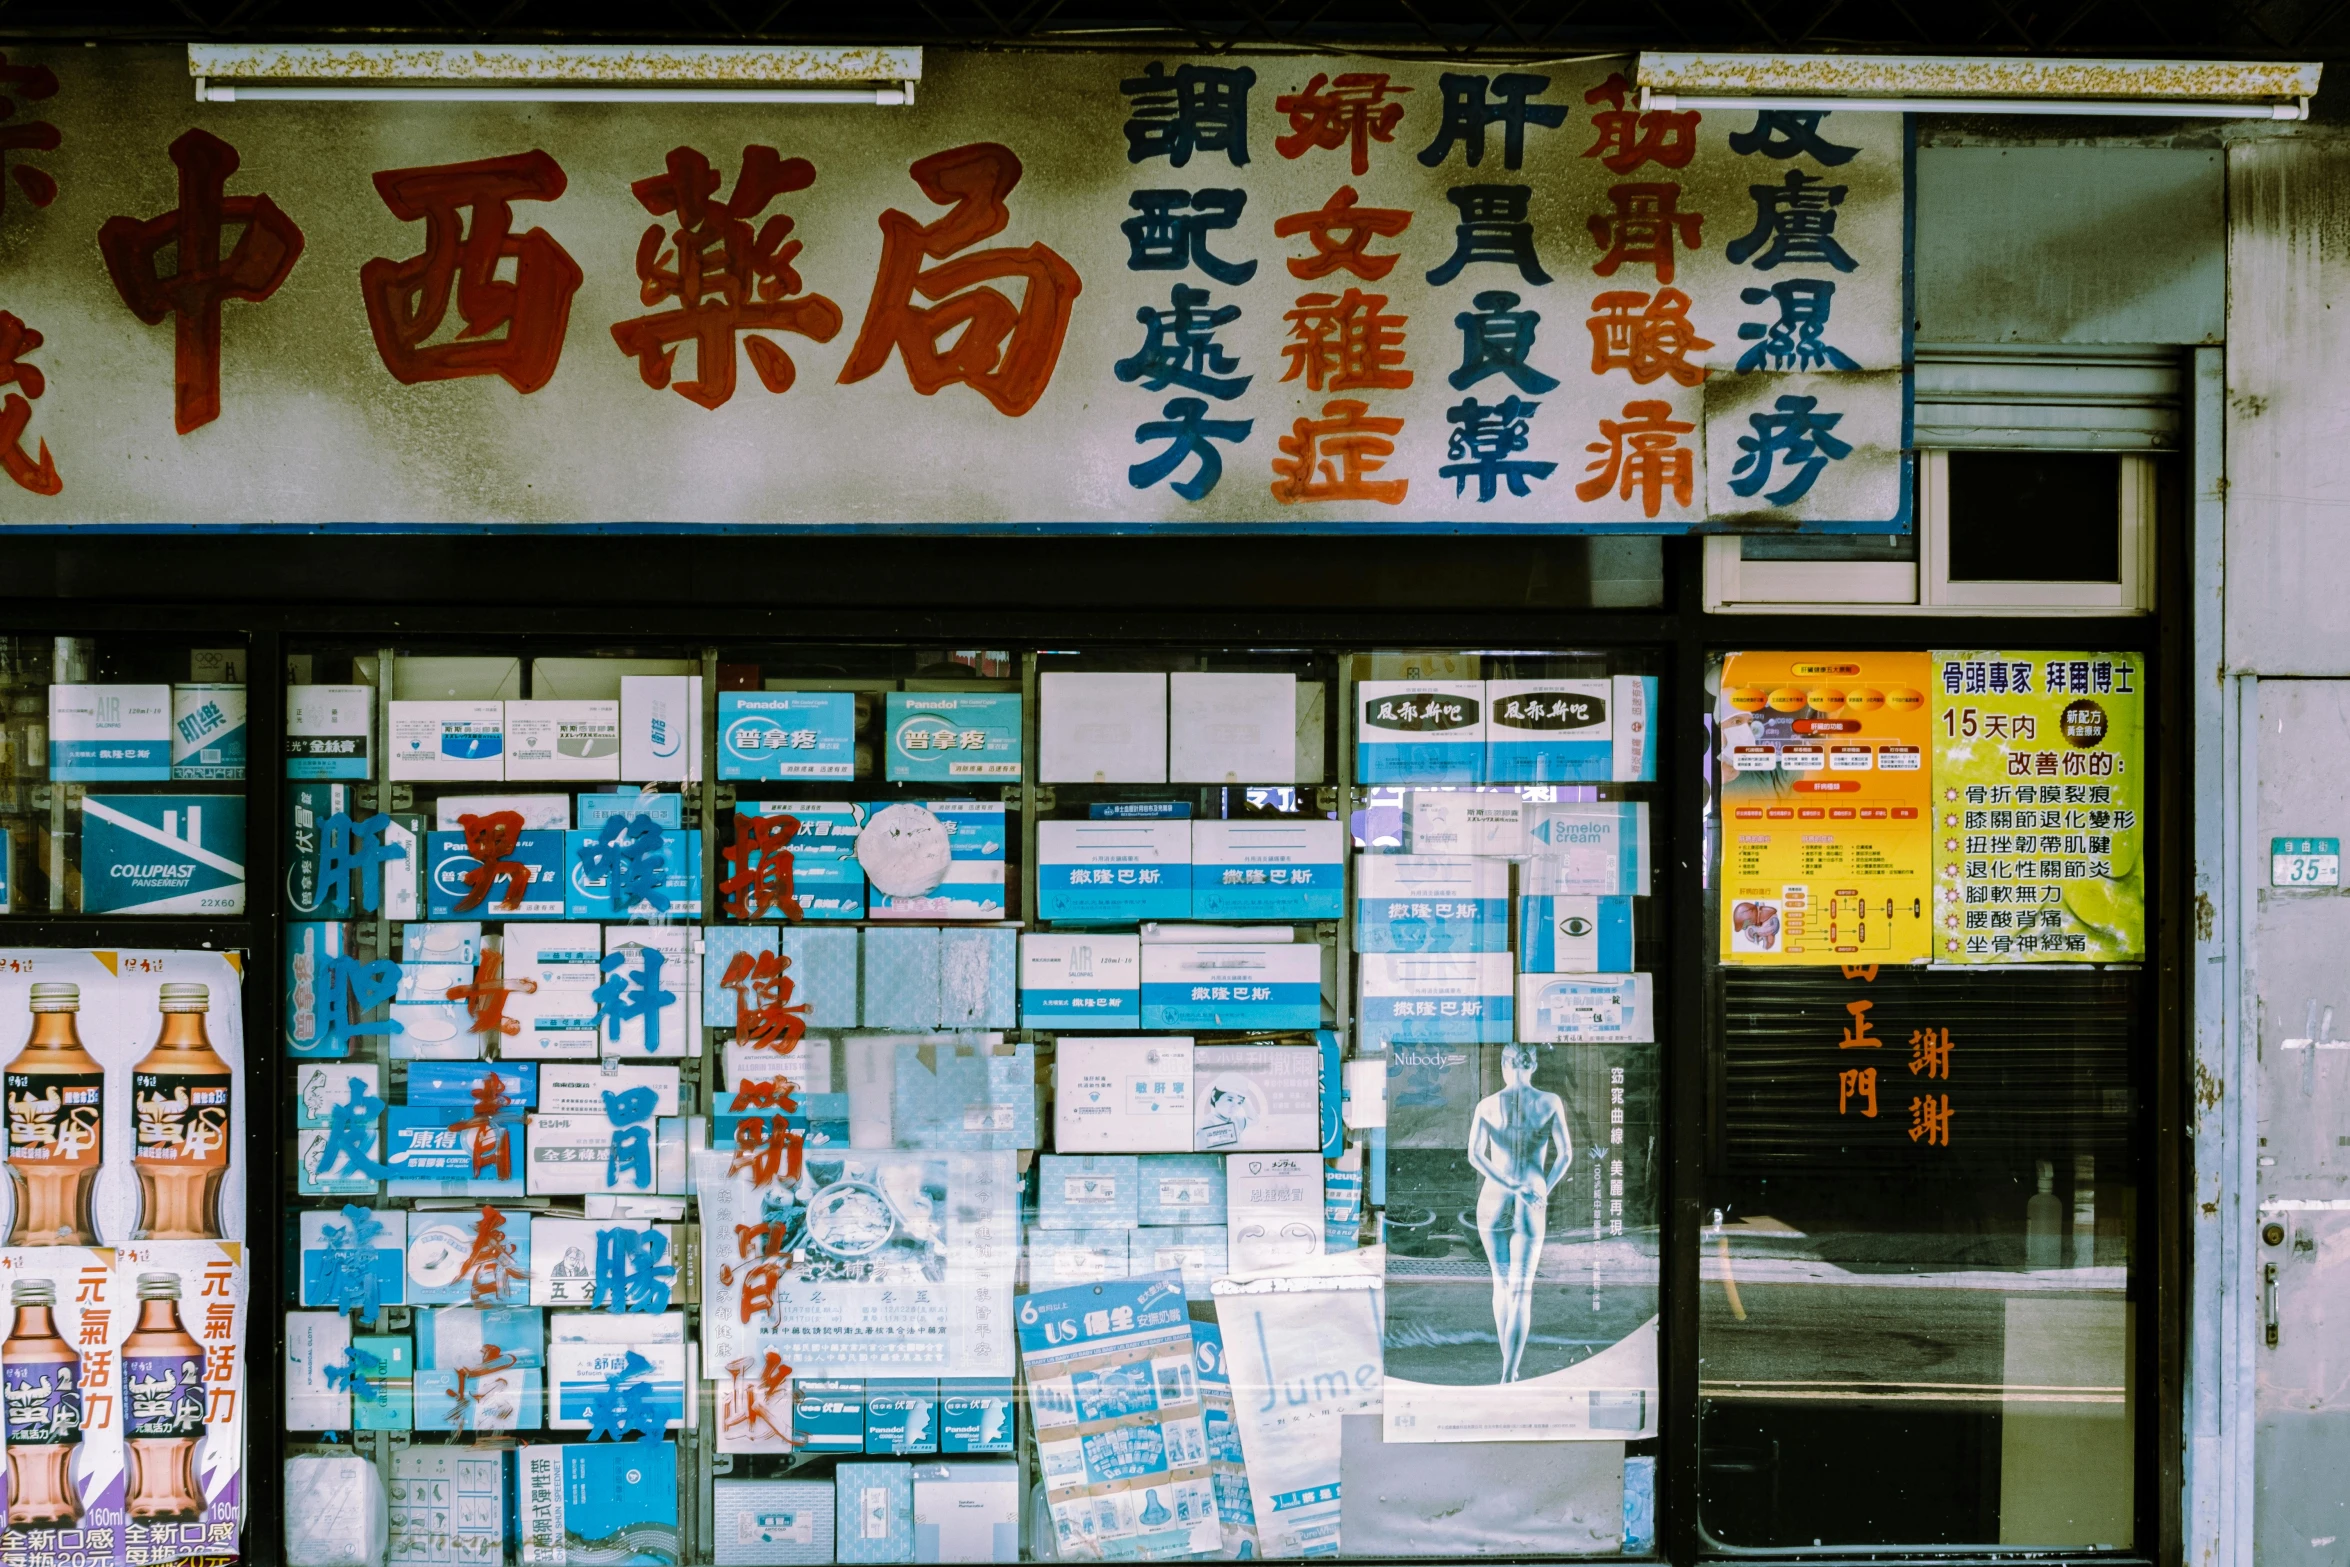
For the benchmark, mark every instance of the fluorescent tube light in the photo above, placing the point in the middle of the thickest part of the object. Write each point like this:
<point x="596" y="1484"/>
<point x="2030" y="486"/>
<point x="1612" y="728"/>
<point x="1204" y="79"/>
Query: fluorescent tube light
<point x="1913" y="84"/>
<point x="334" y="73"/>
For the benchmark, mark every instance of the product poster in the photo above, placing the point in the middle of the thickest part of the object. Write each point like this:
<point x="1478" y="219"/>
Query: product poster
<point x="869" y="1264"/>
<point x="2040" y="800"/>
<point x="1121" y="1433"/>
<point x="65" y="1404"/>
<point x="1825" y="807"/>
<point x="183" y="1410"/>
<point x="1301" y="1348"/>
<point x="1235" y="1512"/>
<point x="1522" y="1260"/>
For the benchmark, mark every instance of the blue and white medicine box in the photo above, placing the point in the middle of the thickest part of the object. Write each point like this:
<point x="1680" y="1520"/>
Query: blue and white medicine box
<point x="937" y="738"/>
<point x="327" y="731"/>
<point x="595" y="807"/>
<point x="1570" y="731"/>
<point x="975" y="1415"/>
<point x="1436" y="998"/>
<point x="1059" y="1258"/>
<point x="771" y="1523"/>
<point x="787" y="734"/>
<point x="1597" y="849"/>
<point x="1588" y="1009"/>
<point x="578" y="1497"/>
<point x="579" y="1375"/>
<point x="969" y="1096"/>
<point x="110" y="734"/>
<point x="459" y="1084"/>
<point x="828" y="828"/>
<point x="343" y="1267"/>
<point x="1086" y="1192"/>
<point x="208" y="732"/>
<point x="901" y="977"/>
<point x="901" y="1416"/>
<point x="826" y="887"/>
<point x="1464" y="821"/>
<point x="875" y="1505"/>
<point x="972" y="890"/>
<point x="975" y="828"/>
<point x="967" y="1512"/>
<point x="587" y="895"/>
<point x="1420" y="731"/>
<point x="828" y="1415"/>
<point x="1200" y="1252"/>
<point x="441" y="1245"/>
<point x="310" y="947"/>
<point x="163" y="854"/>
<point x="1431" y="903"/>
<point x="447" y="863"/>
<point x="1283" y="869"/>
<point x="1113" y="871"/>
<point x="386" y="1401"/>
<point x="1574" y="935"/>
<point x="449" y="1338"/>
<point x="822" y="967"/>
<point x="1230" y="986"/>
<point x="447" y="740"/>
<point x="1181" y="1188"/>
<point x="1080" y="981"/>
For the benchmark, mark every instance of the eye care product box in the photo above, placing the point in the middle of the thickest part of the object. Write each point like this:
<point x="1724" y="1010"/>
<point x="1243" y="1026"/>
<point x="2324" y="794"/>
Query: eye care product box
<point x="1231" y="728"/>
<point x="661" y="728"/>
<point x="447" y="741"/>
<point x="1287" y="869"/>
<point x="940" y="738"/>
<point x="1101" y="728"/>
<point x="109" y="734"/>
<point x="1080" y="981"/>
<point x="1436" y="997"/>
<point x="1123" y="1095"/>
<point x="1596" y="849"/>
<point x="1258" y="1097"/>
<point x="1114" y="871"/>
<point x="1229" y="986"/>
<point x="1464" y="821"/>
<point x="328" y="729"/>
<point x="1569" y="731"/>
<point x="1420" y="731"/>
<point x="1086" y="1192"/>
<point x="1586" y="1009"/>
<point x="207" y="732"/>
<point x="1181" y="1189"/>
<point x="1274" y="1209"/>
<point x="787" y="734"/>
<point x="1431" y="903"/>
<point x="574" y="741"/>
<point x="448" y="862"/>
<point x="1574" y="935"/>
<point x="771" y="1523"/>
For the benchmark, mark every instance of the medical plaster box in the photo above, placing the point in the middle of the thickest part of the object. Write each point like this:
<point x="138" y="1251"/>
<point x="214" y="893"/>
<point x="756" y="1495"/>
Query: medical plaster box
<point x="1199" y="1252"/>
<point x="578" y="741"/>
<point x="443" y="1246"/>
<point x="1061" y="1257"/>
<point x="1431" y="903"/>
<point x="1436" y="998"/>
<point x="901" y="1416"/>
<point x="587" y="891"/>
<point x="828" y="1415"/>
<point x="579" y="1374"/>
<point x="1123" y="1095"/>
<point x="1086" y="1192"/>
<point x="661" y="728"/>
<point x="1586" y="1009"/>
<point x="327" y="731"/>
<point x="1273" y="1209"/>
<point x="1231" y="728"/>
<point x="1272" y="985"/>
<point x="979" y="978"/>
<point x="1569" y="731"/>
<point x="1101" y="728"/>
<point x="447" y="741"/>
<point x="975" y="1414"/>
<point x="1262" y="1097"/>
<point x="1573" y="935"/>
<point x="1596" y="849"/>
<point x="1464" y="821"/>
<point x="331" y="1260"/>
<point x="315" y="1342"/>
<point x="207" y="732"/>
<point x="965" y="1094"/>
<point x="109" y="734"/>
<point x="967" y="1512"/>
<point x="1420" y="731"/>
<point x="163" y="854"/>
<point x="771" y="1523"/>
<point x="1113" y="871"/>
<point x="1282" y="869"/>
<point x="874" y="1505"/>
<point x="559" y="1016"/>
<point x="787" y="734"/>
<point x="1080" y="981"/>
<point x="449" y="895"/>
<point x="939" y="738"/>
<point x="1181" y="1189"/>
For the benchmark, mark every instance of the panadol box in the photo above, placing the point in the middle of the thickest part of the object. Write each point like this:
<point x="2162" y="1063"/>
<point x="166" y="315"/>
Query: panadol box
<point x="939" y="738"/>
<point x="1114" y="871"/>
<point x="1420" y="731"/>
<point x="163" y="854"/>
<point x="1286" y="869"/>
<point x="110" y="734"/>
<point x="1570" y="731"/>
<point x="787" y="734"/>
<point x="449" y="864"/>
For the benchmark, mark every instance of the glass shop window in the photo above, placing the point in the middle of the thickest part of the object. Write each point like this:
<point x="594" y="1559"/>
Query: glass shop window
<point x="1927" y="1008"/>
<point x="122" y="776"/>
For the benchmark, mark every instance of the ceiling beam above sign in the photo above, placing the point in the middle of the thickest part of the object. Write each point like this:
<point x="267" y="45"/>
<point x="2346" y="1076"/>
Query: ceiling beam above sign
<point x="552" y="73"/>
<point x="1932" y="84"/>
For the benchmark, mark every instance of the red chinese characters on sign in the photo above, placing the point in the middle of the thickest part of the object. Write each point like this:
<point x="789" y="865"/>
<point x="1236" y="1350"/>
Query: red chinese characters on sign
<point x="1002" y="351"/>
<point x="1338" y="230"/>
<point x="202" y="279"/>
<point x="1346" y="343"/>
<point x="491" y="839"/>
<point x="1642" y="453"/>
<point x="1647" y="336"/>
<point x="485" y="998"/>
<point x="1332" y="458"/>
<point x="38" y="475"/>
<point x="491" y="1138"/>
<point x="755" y="1400"/>
<point x="1628" y="138"/>
<point x="726" y="279"/>
<point x="763" y="1017"/>
<point x="1353" y="109"/>
<point x="408" y="300"/>
<point x="34" y="83"/>
<point x="1642" y="229"/>
<point x="759" y="868"/>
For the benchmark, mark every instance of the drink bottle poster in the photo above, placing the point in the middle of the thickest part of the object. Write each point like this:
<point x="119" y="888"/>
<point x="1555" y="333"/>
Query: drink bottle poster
<point x="1522" y="1260"/>
<point x="1825" y="805"/>
<point x="65" y="1402"/>
<point x="2040" y="807"/>
<point x="183" y="1411"/>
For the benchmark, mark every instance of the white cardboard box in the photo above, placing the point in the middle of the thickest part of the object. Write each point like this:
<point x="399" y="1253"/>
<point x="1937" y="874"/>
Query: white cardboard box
<point x="1257" y="1098"/>
<point x="1481" y="822"/>
<point x="661" y="728"/>
<point x="1128" y="1095"/>
<point x="558" y="1015"/>
<point x="538" y="811"/>
<point x="1273" y="1209"/>
<point x="1231" y="728"/>
<point x="1102" y="728"/>
<point x="447" y="741"/>
<point x="567" y="740"/>
<point x="678" y="1023"/>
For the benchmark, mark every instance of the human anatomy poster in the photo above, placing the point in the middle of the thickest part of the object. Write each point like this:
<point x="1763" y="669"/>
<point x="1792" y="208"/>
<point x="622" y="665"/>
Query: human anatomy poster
<point x="1522" y="1256"/>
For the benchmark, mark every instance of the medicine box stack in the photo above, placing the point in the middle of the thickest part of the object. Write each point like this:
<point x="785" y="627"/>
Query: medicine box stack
<point x="1544" y="731"/>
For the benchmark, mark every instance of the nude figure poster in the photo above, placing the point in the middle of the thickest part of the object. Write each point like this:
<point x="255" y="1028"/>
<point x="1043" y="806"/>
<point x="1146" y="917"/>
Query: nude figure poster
<point x="1522" y="1256"/>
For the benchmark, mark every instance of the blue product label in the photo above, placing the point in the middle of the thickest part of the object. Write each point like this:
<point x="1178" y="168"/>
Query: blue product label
<point x="110" y="761"/>
<point x="787" y="734"/>
<point x="463" y="741"/>
<point x="1113" y="892"/>
<point x="1587" y="935"/>
<point x="458" y="884"/>
<point x="1290" y="892"/>
<point x="1448" y="1020"/>
<point x="1430" y="761"/>
<point x="939" y="737"/>
<point x="1432" y="925"/>
<point x="590" y="863"/>
<point x="1139" y="811"/>
<point x="465" y="1082"/>
<point x="1236" y="1005"/>
<point x="1078" y="1008"/>
<point x="975" y="829"/>
<point x="1551" y="760"/>
<point x="826" y="887"/>
<point x="163" y="854"/>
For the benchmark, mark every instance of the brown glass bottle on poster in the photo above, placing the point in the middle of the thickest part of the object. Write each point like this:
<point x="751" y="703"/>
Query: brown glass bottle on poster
<point x="163" y="1409"/>
<point x="42" y="1377"/>
<point x="56" y="1094"/>
<point x="180" y="1124"/>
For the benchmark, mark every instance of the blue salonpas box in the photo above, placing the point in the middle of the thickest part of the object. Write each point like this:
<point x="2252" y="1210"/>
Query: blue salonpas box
<point x="1570" y="731"/>
<point x="975" y="1415"/>
<point x="1084" y="980"/>
<point x="587" y="894"/>
<point x="1431" y="903"/>
<point x="1113" y="871"/>
<point x="787" y="734"/>
<point x="1420" y="731"/>
<point x="614" y="1503"/>
<point x="109" y="734"/>
<point x="163" y="854"/>
<point x="1574" y="935"/>
<point x="936" y="737"/>
<point x="1226" y="985"/>
<point x="1436" y="997"/>
<point x="1283" y="869"/>
<point x="448" y="863"/>
<point x="594" y="808"/>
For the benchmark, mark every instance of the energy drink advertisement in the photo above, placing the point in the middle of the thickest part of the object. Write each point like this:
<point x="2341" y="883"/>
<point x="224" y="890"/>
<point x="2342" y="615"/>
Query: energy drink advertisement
<point x="61" y="1379"/>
